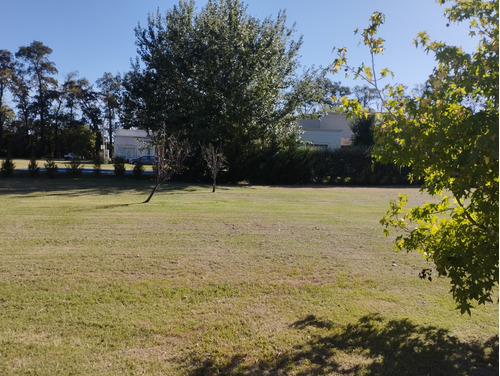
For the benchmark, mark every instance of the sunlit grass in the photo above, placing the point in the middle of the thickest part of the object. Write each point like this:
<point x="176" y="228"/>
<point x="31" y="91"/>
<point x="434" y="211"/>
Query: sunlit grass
<point x="22" y="164"/>
<point x="249" y="280"/>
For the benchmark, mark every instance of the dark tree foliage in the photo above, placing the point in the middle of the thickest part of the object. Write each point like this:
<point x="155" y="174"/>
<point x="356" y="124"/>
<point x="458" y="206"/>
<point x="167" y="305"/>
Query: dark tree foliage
<point x="6" y="66"/>
<point x="354" y="166"/>
<point x="362" y="128"/>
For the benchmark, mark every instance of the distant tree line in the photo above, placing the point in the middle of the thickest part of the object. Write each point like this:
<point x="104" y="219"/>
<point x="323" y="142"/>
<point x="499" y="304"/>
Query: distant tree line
<point x="42" y="117"/>
<point x="218" y="78"/>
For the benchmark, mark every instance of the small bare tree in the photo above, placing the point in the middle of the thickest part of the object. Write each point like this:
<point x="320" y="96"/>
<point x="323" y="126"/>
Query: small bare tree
<point x="214" y="159"/>
<point x="171" y="154"/>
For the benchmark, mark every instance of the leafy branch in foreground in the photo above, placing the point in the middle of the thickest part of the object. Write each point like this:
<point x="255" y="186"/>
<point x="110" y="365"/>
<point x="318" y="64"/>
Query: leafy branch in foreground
<point x="448" y="135"/>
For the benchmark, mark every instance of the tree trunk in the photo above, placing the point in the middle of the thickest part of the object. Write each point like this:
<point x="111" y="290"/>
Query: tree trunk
<point x="1" y="115"/>
<point x="1" y="133"/>
<point x="152" y="193"/>
<point x="213" y="186"/>
<point x="110" y="135"/>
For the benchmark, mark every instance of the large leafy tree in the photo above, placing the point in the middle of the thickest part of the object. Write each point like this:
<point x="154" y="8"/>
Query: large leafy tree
<point x="219" y="76"/>
<point x="448" y="135"/>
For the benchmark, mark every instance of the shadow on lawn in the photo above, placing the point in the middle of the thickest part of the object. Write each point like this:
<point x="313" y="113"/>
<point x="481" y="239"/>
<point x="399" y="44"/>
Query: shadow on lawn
<point x="372" y="346"/>
<point x="105" y="185"/>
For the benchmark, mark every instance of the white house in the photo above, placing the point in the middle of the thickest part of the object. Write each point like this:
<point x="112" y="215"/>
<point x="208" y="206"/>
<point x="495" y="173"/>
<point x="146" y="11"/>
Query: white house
<point x="330" y="131"/>
<point x="131" y="143"/>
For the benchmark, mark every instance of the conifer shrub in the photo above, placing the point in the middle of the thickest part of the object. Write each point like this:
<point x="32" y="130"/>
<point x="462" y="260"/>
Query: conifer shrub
<point x="74" y="168"/>
<point x="97" y="164"/>
<point x="33" y="168"/>
<point x="50" y="168"/>
<point x="138" y="170"/>
<point x="7" y="168"/>
<point x="119" y="165"/>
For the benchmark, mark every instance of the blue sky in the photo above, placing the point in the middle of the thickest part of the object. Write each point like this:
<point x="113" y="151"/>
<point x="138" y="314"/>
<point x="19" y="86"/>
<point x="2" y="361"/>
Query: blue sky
<point x="97" y="36"/>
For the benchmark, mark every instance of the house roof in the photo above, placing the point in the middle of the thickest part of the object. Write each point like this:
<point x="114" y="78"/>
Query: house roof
<point x="131" y="133"/>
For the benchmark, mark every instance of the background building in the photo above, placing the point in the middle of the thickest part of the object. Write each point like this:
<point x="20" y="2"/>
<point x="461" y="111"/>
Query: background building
<point x="331" y="131"/>
<point x="131" y="143"/>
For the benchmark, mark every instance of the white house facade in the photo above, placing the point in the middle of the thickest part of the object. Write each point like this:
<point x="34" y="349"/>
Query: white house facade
<point x="131" y="143"/>
<point x="331" y="131"/>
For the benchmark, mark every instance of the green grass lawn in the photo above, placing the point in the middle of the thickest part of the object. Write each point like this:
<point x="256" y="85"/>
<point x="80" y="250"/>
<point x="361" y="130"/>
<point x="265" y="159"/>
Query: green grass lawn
<point x="248" y="280"/>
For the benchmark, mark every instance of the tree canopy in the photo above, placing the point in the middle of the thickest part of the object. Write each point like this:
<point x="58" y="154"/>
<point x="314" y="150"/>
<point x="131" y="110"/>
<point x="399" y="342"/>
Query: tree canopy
<point x="448" y="135"/>
<point x="219" y="76"/>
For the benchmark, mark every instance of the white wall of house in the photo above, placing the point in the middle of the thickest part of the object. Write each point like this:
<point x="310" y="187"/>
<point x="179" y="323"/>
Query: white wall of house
<point x="334" y="120"/>
<point x="330" y="131"/>
<point x="322" y="138"/>
<point x="130" y="143"/>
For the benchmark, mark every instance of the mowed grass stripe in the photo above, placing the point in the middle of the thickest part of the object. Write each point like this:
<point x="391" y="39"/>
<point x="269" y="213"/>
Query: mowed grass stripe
<point x="249" y="280"/>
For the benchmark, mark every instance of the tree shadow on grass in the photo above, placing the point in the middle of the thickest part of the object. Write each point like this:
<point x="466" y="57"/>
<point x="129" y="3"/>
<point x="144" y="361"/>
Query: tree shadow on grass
<point x="106" y="185"/>
<point x="372" y="346"/>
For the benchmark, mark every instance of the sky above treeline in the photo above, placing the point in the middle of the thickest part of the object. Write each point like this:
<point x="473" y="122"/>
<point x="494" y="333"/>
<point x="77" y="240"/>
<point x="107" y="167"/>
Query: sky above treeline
<point x="97" y="36"/>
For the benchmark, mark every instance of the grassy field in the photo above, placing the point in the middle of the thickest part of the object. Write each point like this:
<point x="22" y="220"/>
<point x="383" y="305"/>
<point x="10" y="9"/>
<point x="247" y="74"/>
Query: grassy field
<point x="246" y="281"/>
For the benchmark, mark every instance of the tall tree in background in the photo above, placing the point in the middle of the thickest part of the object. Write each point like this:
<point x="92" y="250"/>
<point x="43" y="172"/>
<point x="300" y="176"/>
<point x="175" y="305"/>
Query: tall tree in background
<point x="34" y="64"/>
<point x="6" y="66"/>
<point x="367" y="96"/>
<point x="448" y="135"/>
<point x="73" y="117"/>
<point x="21" y="93"/>
<point x="71" y="92"/>
<point x="320" y="94"/>
<point x="90" y="106"/>
<point x="220" y="76"/>
<point x="110" y="86"/>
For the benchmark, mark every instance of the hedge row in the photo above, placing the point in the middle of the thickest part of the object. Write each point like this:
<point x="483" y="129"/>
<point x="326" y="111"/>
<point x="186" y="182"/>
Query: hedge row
<point x="291" y="166"/>
<point x="353" y="166"/>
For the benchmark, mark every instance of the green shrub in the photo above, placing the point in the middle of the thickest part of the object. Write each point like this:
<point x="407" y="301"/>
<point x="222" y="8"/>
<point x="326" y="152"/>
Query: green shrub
<point x="119" y="165"/>
<point x="51" y="168"/>
<point x="354" y="166"/>
<point x="291" y="164"/>
<point x="97" y="164"/>
<point x="33" y="168"/>
<point x="74" y="168"/>
<point x="138" y="170"/>
<point x="7" y="168"/>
